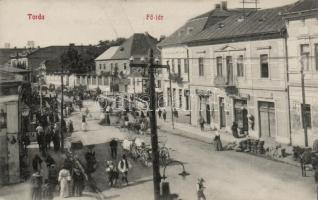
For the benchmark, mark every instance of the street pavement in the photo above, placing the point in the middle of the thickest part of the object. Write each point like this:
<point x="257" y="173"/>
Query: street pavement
<point x="228" y="175"/>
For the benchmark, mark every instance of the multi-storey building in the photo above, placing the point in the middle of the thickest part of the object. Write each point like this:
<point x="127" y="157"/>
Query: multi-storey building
<point x="175" y="52"/>
<point x="238" y="74"/>
<point x="302" y="45"/>
<point x="114" y="63"/>
<point x="11" y="107"/>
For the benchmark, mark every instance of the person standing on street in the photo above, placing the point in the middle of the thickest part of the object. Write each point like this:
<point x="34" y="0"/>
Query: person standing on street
<point x="200" y="189"/>
<point x="113" y="148"/>
<point x="36" y="184"/>
<point x="64" y="180"/>
<point x="84" y="123"/>
<point x="40" y="136"/>
<point x="164" y="114"/>
<point x="79" y="180"/>
<point x="201" y="122"/>
<point x="217" y="142"/>
<point x="159" y="113"/>
<point x="123" y="167"/>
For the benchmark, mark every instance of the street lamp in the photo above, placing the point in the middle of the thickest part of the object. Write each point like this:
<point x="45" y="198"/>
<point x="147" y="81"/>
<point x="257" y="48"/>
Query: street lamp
<point x="165" y="184"/>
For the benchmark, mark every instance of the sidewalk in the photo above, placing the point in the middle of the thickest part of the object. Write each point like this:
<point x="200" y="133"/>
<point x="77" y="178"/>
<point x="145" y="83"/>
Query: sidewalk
<point x="207" y="136"/>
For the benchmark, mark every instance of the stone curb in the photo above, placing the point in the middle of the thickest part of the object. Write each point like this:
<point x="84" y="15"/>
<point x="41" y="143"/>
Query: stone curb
<point x="200" y="138"/>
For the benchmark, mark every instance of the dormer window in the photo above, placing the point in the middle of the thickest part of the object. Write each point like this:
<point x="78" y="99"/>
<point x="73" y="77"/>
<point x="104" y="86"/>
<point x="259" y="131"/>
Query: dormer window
<point x="189" y="30"/>
<point x="220" y="25"/>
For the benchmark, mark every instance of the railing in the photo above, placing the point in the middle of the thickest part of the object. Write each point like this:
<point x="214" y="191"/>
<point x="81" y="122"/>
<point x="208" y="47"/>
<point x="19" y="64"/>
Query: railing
<point x="222" y="81"/>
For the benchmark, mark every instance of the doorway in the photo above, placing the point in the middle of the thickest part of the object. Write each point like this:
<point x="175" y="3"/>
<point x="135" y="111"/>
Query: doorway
<point x="240" y="114"/>
<point x="208" y="114"/>
<point x="222" y="112"/>
<point x="267" y="119"/>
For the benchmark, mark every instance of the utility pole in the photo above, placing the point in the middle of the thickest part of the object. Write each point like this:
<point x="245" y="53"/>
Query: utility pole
<point x="170" y="91"/>
<point x="62" y="102"/>
<point x="153" y="122"/>
<point x="303" y="103"/>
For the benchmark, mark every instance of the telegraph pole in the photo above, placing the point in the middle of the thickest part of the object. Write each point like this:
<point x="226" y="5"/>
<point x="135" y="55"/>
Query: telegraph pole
<point x="170" y="91"/>
<point x="153" y="126"/>
<point x="153" y="122"/>
<point x="62" y="102"/>
<point x="303" y="104"/>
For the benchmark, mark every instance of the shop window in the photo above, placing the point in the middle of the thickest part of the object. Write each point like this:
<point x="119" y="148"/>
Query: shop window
<point x="219" y="66"/>
<point x="201" y="67"/>
<point x="264" y="66"/>
<point x="240" y="66"/>
<point x="306" y="115"/>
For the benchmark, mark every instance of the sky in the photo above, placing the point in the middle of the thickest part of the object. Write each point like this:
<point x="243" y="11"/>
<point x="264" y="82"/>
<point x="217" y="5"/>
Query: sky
<point x="89" y="21"/>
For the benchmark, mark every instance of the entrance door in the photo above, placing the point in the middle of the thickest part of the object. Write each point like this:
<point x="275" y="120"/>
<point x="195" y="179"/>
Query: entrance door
<point x="240" y="114"/>
<point x="222" y="112"/>
<point x="208" y="114"/>
<point x="267" y="119"/>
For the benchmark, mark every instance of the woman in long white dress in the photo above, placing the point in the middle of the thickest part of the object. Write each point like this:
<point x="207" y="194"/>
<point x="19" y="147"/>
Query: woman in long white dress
<point x="64" y="180"/>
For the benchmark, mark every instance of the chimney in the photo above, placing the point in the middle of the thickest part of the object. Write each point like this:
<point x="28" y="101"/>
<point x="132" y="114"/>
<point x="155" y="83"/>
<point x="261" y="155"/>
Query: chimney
<point x="217" y="6"/>
<point x="224" y="5"/>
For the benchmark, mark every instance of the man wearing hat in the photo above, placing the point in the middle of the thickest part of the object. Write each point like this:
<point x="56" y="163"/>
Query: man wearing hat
<point x="200" y="189"/>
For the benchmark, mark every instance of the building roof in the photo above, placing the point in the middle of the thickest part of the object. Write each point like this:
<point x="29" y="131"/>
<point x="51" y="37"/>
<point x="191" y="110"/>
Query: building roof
<point x="6" y="53"/>
<point x="303" y="5"/>
<point x="235" y="27"/>
<point x="137" y="46"/>
<point x="108" y="54"/>
<point x="197" y="24"/>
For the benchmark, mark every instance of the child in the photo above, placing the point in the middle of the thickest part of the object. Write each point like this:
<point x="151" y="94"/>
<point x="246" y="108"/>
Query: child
<point x="200" y="189"/>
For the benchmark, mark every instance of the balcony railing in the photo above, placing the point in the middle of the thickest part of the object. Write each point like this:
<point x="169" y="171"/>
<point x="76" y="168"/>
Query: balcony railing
<point x="176" y="78"/>
<point x="223" y="81"/>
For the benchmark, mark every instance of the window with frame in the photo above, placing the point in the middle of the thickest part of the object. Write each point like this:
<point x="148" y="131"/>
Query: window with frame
<point x="240" y="66"/>
<point x="264" y="66"/>
<point x="100" y="66"/>
<point x="169" y="98"/>
<point x="306" y="115"/>
<point x="219" y="71"/>
<point x="201" y="67"/>
<point x="304" y="54"/>
<point x="316" y="56"/>
<point x="172" y="65"/>
<point x="179" y="67"/>
<point x="104" y="66"/>
<point x="159" y="84"/>
<point x="125" y="66"/>
<point x="180" y="98"/>
<point x="106" y="82"/>
<point x="186" y="66"/>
